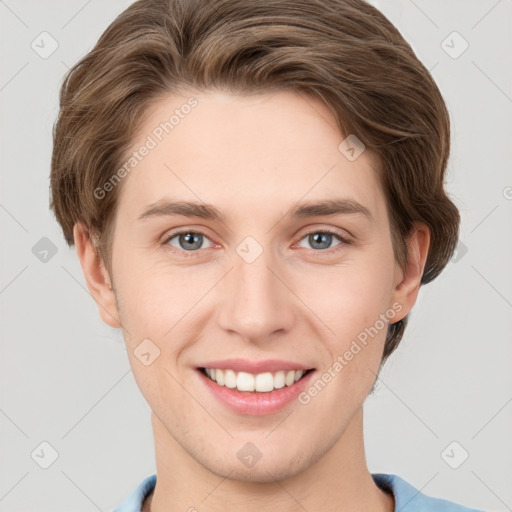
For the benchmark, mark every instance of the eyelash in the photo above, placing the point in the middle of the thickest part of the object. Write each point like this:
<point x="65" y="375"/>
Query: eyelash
<point x="316" y="252"/>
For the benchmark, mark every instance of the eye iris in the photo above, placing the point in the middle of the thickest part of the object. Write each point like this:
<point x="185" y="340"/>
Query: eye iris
<point x="190" y="238"/>
<point x="317" y="238"/>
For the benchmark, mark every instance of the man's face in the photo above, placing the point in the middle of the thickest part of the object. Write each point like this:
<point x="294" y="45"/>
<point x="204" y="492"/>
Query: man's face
<point x="258" y="284"/>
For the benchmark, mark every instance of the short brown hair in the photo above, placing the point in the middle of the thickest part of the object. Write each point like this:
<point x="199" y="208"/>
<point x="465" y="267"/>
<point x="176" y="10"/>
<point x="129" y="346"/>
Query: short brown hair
<point x="343" y="52"/>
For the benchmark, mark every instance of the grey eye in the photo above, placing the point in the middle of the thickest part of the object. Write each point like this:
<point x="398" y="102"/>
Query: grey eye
<point x="321" y="240"/>
<point x="188" y="240"/>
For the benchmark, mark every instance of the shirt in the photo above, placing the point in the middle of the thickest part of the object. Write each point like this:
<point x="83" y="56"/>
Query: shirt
<point x="407" y="497"/>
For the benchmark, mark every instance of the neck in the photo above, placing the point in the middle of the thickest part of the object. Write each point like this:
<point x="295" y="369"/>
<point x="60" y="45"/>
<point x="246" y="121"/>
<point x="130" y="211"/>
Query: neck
<point x="338" y="479"/>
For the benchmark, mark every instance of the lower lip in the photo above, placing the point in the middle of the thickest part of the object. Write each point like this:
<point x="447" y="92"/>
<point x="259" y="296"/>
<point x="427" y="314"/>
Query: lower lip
<point x="254" y="403"/>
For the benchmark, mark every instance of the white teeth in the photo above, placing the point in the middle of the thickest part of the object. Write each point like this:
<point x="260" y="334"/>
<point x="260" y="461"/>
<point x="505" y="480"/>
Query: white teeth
<point x="279" y="380"/>
<point x="263" y="382"/>
<point x="230" y="380"/>
<point x="244" y="381"/>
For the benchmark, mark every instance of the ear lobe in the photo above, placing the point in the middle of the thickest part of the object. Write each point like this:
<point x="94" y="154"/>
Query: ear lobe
<point x="408" y="281"/>
<point x="96" y="276"/>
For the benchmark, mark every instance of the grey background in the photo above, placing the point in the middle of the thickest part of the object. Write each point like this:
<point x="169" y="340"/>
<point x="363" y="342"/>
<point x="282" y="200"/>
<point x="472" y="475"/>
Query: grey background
<point x="65" y="377"/>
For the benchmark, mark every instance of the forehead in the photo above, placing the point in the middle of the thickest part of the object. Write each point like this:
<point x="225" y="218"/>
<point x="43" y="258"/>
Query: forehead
<point x="245" y="153"/>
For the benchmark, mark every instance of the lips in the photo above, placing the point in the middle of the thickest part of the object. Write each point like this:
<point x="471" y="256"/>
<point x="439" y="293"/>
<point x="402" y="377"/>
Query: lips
<point x="254" y="403"/>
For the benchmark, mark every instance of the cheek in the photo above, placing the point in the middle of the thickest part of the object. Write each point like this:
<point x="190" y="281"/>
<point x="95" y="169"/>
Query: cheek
<point x="353" y="301"/>
<point x="349" y="297"/>
<point x="155" y="297"/>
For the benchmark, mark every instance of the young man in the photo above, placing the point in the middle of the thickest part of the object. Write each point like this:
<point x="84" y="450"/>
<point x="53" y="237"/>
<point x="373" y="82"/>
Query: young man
<point x="255" y="193"/>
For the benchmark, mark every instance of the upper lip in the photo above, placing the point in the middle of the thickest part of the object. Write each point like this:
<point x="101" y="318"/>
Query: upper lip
<point x="255" y="367"/>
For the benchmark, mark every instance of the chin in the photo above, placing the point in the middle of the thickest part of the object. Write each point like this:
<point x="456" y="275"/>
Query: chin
<point x="263" y="471"/>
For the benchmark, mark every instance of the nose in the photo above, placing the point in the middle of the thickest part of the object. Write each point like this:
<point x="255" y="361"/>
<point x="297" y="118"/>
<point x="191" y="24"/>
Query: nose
<point x="257" y="301"/>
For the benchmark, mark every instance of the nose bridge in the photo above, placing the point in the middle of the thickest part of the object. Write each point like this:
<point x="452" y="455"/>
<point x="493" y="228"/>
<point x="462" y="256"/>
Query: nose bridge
<point x="257" y="303"/>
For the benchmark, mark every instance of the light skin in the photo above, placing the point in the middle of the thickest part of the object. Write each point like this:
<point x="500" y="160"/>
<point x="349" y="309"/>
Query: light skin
<point x="254" y="158"/>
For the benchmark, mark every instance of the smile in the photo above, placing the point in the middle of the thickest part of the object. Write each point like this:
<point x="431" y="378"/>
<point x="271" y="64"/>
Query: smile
<point x="262" y="382"/>
<point x="254" y="394"/>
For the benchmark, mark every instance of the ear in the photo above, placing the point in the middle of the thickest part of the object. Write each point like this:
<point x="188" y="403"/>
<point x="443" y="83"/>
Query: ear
<point x="96" y="276"/>
<point x="408" y="280"/>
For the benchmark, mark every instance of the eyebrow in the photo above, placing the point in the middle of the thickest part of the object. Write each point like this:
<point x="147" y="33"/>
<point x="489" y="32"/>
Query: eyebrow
<point x="166" y="208"/>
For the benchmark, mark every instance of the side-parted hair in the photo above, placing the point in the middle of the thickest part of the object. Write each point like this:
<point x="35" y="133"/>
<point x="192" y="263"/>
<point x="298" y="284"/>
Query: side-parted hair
<point x="343" y="52"/>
